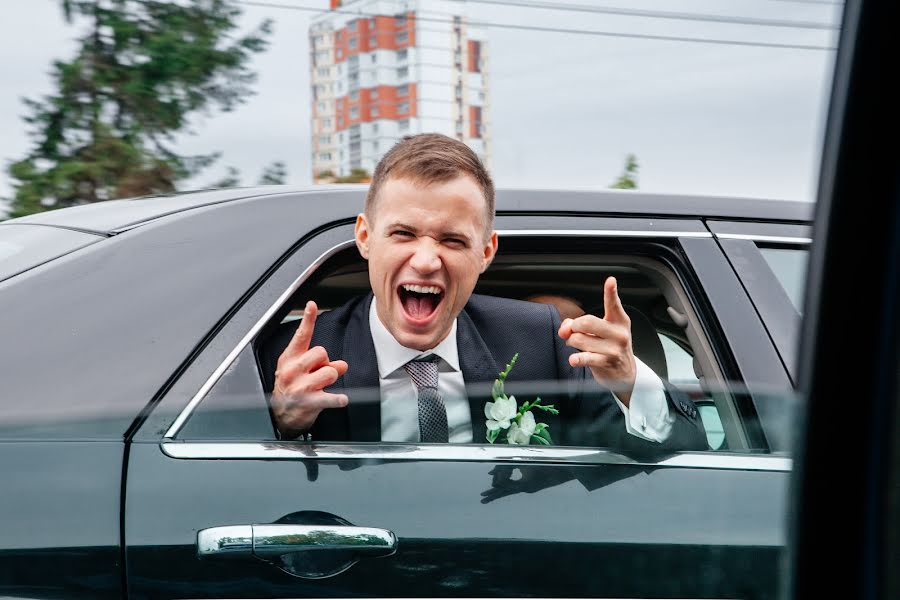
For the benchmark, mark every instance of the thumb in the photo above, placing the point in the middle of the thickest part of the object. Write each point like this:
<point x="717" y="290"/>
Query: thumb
<point x="613" y="311"/>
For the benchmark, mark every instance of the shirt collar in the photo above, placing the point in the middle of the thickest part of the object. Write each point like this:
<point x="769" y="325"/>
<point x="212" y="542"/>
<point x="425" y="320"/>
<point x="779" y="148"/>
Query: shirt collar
<point x="392" y="356"/>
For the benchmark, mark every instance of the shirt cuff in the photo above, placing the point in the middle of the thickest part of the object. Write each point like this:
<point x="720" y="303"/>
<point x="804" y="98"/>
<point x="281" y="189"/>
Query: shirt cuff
<point x="647" y="415"/>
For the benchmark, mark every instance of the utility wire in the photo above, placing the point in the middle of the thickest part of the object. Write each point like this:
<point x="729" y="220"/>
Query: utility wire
<point x="497" y="25"/>
<point x="655" y="14"/>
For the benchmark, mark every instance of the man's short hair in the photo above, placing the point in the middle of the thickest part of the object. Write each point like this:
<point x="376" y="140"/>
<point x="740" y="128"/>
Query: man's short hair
<point x="429" y="158"/>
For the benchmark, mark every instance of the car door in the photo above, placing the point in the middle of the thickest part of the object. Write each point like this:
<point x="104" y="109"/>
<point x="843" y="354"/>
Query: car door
<point x="217" y="507"/>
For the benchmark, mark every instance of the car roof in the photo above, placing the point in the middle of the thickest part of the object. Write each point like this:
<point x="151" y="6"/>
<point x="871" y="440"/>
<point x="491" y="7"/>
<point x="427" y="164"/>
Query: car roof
<point x="119" y="215"/>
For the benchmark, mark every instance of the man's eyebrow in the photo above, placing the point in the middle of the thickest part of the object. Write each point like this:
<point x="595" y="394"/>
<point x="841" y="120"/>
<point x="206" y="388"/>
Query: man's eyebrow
<point x="456" y="234"/>
<point x="444" y="234"/>
<point x="399" y="225"/>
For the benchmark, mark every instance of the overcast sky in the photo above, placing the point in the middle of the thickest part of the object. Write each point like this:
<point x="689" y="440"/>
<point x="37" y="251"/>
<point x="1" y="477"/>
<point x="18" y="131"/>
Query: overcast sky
<point x="566" y="107"/>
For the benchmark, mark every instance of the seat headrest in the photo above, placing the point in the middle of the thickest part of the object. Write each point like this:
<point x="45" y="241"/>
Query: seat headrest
<point x="646" y="343"/>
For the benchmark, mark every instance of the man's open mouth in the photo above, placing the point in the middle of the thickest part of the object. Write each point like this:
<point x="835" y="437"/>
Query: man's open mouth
<point x="419" y="301"/>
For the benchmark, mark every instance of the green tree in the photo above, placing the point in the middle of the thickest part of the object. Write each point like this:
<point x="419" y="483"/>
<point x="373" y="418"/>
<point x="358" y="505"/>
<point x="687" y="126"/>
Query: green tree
<point x="355" y="176"/>
<point x="141" y="70"/>
<point x="274" y="174"/>
<point x="628" y="180"/>
<point x="232" y="178"/>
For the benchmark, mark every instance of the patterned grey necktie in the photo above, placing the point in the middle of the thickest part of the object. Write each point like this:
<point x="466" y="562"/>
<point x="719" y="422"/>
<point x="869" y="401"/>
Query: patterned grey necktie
<point x="432" y="414"/>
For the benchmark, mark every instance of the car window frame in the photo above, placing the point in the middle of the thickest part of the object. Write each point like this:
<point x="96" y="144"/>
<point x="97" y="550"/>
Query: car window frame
<point x="169" y="418"/>
<point x="741" y="243"/>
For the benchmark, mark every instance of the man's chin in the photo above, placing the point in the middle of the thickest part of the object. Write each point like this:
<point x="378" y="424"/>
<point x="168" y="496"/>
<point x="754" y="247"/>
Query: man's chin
<point x="419" y="339"/>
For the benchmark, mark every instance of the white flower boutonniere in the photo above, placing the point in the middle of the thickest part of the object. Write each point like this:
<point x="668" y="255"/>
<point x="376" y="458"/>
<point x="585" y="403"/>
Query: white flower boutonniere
<point x="506" y="421"/>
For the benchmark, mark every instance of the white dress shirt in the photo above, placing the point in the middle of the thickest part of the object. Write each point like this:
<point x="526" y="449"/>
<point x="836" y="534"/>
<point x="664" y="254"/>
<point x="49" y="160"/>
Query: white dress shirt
<point x="647" y="416"/>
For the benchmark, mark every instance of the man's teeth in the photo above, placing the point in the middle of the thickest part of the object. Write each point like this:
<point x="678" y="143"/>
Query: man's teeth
<point x="422" y="289"/>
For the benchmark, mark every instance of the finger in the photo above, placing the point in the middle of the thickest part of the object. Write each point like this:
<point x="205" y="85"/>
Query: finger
<point x="340" y="366"/>
<point x="589" y="343"/>
<point x="612" y="305"/>
<point x="565" y="329"/>
<point x="323" y="400"/>
<point x="595" y="326"/>
<point x="310" y="360"/>
<point x="303" y="336"/>
<point x="321" y="378"/>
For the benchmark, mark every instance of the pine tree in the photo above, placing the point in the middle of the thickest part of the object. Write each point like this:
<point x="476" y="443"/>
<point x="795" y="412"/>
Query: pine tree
<point x="628" y="179"/>
<point x="142" y="69"/>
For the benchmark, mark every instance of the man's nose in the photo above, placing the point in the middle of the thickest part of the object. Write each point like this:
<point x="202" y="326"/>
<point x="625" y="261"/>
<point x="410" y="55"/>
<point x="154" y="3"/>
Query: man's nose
<point x="426" y="258"/>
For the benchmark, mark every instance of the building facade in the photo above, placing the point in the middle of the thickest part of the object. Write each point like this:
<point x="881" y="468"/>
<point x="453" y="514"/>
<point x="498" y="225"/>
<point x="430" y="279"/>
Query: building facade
<point x="382" y="69"/>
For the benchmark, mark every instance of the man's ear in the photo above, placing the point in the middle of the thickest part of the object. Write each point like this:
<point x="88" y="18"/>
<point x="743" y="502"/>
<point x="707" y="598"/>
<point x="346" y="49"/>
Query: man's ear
<point x="361" y="233"/>
<point x="490" y="250"/>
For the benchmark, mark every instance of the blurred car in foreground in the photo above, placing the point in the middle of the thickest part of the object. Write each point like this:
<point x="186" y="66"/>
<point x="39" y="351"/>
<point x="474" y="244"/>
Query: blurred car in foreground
<point x="139" y="457"/>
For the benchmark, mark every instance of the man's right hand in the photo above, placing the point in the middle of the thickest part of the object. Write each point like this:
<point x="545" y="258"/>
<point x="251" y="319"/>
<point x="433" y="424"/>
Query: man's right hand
<point x="301" y="376"/>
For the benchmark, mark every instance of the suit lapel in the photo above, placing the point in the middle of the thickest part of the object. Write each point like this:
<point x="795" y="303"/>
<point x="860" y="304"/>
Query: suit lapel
<point x="478" y="367"/>
<point x="364" y="409"/>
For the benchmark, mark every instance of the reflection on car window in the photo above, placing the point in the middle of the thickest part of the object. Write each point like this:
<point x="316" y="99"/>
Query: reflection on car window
<point x="789" y="266"/>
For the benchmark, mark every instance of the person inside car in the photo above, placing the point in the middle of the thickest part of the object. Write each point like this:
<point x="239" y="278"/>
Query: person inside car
<point x="421" y="337"/>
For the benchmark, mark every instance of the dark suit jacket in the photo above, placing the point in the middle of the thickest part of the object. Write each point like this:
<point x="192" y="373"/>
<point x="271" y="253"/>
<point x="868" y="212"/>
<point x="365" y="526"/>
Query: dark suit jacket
<point x="489" y="332"/>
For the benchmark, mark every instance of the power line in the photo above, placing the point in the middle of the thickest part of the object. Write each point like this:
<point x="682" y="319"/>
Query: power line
<point x="543" y="29"/>
<point x="656" y="14"/>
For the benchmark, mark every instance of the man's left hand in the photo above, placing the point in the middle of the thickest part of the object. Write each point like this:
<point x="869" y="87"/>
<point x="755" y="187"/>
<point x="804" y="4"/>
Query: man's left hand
<point x="605" y="344"/>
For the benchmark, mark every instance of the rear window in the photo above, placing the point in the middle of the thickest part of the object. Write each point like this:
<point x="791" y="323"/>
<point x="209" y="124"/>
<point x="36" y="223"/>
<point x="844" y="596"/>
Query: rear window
<point x="24" y="247"/>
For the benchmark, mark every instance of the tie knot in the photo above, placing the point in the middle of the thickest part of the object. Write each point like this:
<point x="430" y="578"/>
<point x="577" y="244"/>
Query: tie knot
<point x="423" y="371"/>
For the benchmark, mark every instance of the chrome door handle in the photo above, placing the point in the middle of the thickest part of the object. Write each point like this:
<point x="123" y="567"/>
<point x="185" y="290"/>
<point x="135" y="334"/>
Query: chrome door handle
<point x="268" y="541"/>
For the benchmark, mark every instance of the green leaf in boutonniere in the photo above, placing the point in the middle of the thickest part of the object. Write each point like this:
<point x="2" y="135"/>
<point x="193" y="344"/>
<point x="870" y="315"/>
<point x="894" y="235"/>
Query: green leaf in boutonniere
<point x="506" y="421"/>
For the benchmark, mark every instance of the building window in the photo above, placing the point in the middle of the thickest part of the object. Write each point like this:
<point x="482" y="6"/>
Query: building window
<point x="374" y="127"/>
<point x="373" y="41"/>
<point x="373" y="95"/>
<point x="326" y="123"/>
<point x="340" y="54"/>
<point x="374" y="59"/>
<point x="352" y="43"/>
<point x="354" y="113"/>
<point x="321" y="107"/>
<point x="402" y="37"/>
<point x="324" y="139"/>
<point x="375" y="146"/>
<point x="323" y="72"/>
<point x="325" y="156"/>
<point x="340" y="121"/>
<point x="400" y="20"/>
<point x="401" y="55"/>
<point x="354" y="95"/>
<point x="403" y="124"/>
<point x="403" y="72"/>
<point x="374" y="111"/>
<point x="403" y="107"/>
<point x="372" y="23"/>
<point x="403" y="90"/>
<point x="351" y="26"/>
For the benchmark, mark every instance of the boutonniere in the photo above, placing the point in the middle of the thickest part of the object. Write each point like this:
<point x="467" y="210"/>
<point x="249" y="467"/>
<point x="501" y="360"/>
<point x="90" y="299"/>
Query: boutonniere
<point x="506" y="421"/>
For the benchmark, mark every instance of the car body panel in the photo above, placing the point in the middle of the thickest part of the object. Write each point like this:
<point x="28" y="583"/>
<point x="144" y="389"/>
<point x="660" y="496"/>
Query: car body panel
<point x="59" y="512"/>
<point x="464" y="529"/>
<point x="24" y="247"/>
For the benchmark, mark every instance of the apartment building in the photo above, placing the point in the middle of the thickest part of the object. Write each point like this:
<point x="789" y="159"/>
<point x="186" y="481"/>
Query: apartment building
<point x="382" y="69"/>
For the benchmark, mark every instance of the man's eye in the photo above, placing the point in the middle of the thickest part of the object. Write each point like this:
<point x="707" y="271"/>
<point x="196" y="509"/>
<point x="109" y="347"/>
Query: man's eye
<point x="403" y="233"/>
<point x="455" y="242"/>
